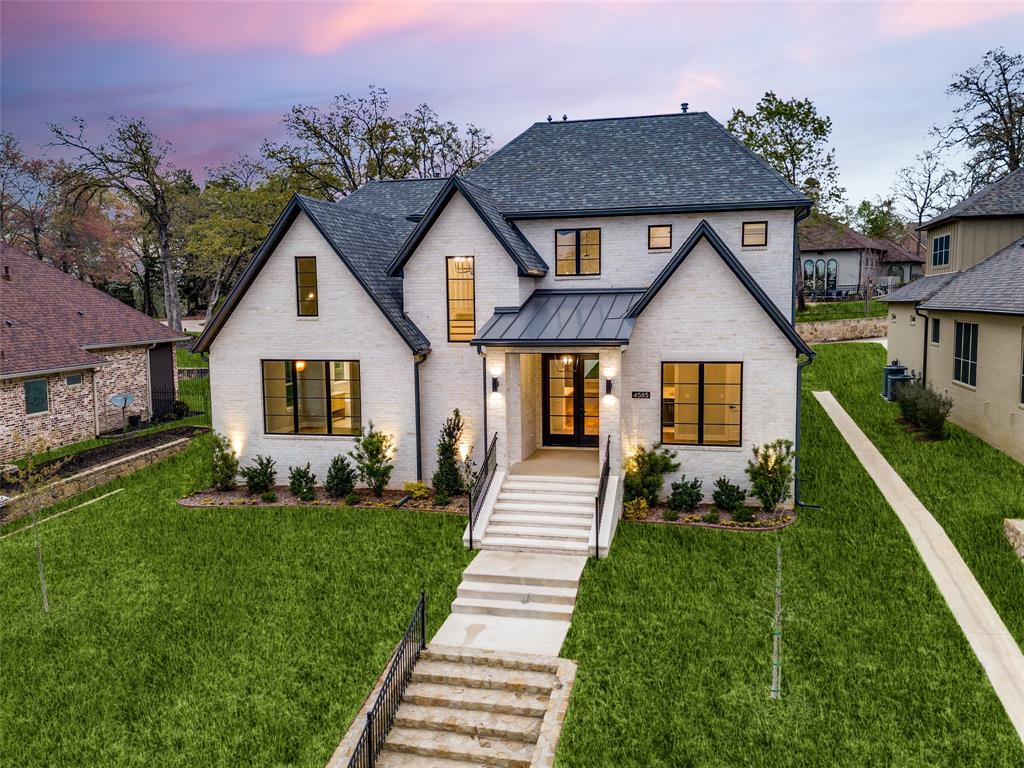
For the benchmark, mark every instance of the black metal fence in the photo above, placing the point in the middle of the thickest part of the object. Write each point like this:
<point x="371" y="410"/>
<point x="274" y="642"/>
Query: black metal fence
<point x="602" y="490"/>
<point x="188" y="403"/>
<point x="482" y="484"/>
<point x="381" y="714"/>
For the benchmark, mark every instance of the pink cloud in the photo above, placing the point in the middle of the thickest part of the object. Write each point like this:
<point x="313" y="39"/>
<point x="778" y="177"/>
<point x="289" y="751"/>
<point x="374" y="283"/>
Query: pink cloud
<point x="912" y="19"/>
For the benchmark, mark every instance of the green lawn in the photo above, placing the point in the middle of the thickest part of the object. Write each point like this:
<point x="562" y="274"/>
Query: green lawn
<point x="207" y="637"/>
<point x="840" y="310"/>
<point x="189" y="359"/>
<point x="673" y="636"/>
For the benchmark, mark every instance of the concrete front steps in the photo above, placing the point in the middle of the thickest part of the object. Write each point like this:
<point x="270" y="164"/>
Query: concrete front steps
<point x="466" y="707"/>
<point x="543" y="514"/>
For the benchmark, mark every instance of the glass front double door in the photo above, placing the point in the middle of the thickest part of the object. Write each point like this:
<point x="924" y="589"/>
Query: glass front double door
<point x="571" y="399"/>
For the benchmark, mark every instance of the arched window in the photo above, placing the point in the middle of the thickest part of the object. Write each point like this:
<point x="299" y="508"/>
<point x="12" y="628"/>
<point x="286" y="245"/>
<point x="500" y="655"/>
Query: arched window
<point x="809" y="274"/>
<point x="819" y="275"/>
<point x="833" y="274"/>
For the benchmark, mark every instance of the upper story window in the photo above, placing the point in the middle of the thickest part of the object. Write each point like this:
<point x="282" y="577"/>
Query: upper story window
<point x="936" y="331"/>
<point x="305" y="286"/>
<point x="659" y="237"/>
<point x="965" y="353"/>
<point x="37" y="396"/>
<point x="701" y="403"/>
<point x="940" y="251"/>
<point x="577" y="252"/>
<point x="311" y="397"/>
<point x="755" y="233"/>
<point x="461" y="298"/>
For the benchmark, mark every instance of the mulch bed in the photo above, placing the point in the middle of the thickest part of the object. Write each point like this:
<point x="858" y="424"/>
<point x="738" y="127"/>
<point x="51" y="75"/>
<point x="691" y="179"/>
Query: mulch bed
<point x="240" y="497"/>
<point x="79" y="462"/>
<point x="699" y="517"/>
<point x="917" y="432"/>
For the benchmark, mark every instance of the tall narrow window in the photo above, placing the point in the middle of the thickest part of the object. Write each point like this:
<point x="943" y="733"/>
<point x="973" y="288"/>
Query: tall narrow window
<point x="965" y="353"/>
<point x="305" y="286"/>
<point x="659" y="237"/>
<point x="311" y="397"/>
<point x="832" y="274"/>
<point x="755" y="233"/>
<point x="37" y="396"/>
<point x="935" y="330"/>
<point x="701" y="403"/>
<point x="940" y="251"/>
<point x="577" y="252"/>
<point x="461" y="298"/>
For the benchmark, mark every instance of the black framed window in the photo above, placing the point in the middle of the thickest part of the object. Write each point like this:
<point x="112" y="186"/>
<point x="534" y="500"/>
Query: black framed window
<point x="755" y="233"/>
<point x="940" y="251"/>
<point x="37" y="396"/>
<point x="73" y="379"/>
<point x="577" y="252"/>
<point x="461" y="298"/>
<point x="311" y="397"/>
<point x="659" y="237"/>
<point x="701" y="403"/>
<point x="305" y="286"/>
<point x="965" y="353"/>
<point x="936" y="330"/>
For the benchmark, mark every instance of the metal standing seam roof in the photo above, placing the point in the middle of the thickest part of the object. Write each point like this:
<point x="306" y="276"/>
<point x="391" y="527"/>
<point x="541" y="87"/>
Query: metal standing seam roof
<point x="577" y="317"/>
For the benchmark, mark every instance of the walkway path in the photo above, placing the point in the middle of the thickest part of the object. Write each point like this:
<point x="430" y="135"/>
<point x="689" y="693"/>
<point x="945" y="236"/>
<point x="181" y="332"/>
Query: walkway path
<point x="995" y="647"/>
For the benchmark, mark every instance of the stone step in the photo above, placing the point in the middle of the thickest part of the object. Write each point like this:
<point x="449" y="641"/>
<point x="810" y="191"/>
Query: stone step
<point x="389" y="759"/>
<point x="472" y="723"/>
<point x="483" y="699"/>
<point x="536" y="546"/>
<point x="544" y="570"/>
<point x="488" y="658"/>
<point x="543" y="508"/>
<point x="520" y="609"/>
<point x="550" y="485"/>
<point x="542" y="521"/>
<point x="536" y="532"/>
<point x="518" y="592"/>
<point x="482" y="676"/>
<point x="486" y="751"/>
<point x="547" y="497"/>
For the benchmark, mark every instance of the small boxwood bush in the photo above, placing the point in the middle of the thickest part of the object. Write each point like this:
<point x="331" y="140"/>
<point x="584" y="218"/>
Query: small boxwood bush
<point x="373" y="454"/>
<point x="727" y="496"/>
<point x="341" y="478"/>
<point x="669" y="514"/>
<point x="352" y="499"/>
<point x="301" y="482"/>
<point x="645" y="473"/>
<point x="635" y="509"/>
<point x="225" y="464"/>
<point x="685" y="496"/>
<point x="923" y="407"/>
<point x="417" y="490"/>
<point x="770" y="473"/>
<point x="442" y="500"/>
<point x="269" y="497"/>
<point x="259" y="478"/>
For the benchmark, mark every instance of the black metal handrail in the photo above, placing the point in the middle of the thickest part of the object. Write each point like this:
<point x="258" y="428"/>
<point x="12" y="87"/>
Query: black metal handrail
<point x="602" y="489"/>
<point x="382" y="714"/>
<point x="482" y="484"/>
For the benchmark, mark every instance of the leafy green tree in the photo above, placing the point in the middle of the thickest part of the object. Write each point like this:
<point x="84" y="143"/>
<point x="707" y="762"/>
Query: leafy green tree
<point x="447" y="478"/>
<point x="877" y="219"/>
<point x="793" y="138"/>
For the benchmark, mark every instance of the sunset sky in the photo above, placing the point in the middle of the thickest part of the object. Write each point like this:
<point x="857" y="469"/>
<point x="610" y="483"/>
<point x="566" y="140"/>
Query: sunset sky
<point x="215" y="77"/>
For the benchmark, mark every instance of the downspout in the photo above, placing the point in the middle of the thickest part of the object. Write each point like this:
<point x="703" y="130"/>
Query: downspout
<point x="796" y="461"/>
<point x="417" y="359"/>
<point x="924" y="346"/>
<point x="802" y="214"/>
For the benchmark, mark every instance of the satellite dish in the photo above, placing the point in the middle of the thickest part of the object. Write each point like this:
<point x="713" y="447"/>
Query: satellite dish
<point x="122" y="401"/>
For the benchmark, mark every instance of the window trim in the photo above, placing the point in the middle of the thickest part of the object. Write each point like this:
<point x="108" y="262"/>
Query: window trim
<point x="700" y="403"/>
<point x="577" y="231"/>
<point x="298" y="295"/>
<point x="67" y="379"/>
<point x="327" y="397"/>
<point x="958" y="335"/>
<point x="448" y="299"/>
<point x="948" y="246"/>
<point x="936" y="332"/>
<point x="743" y="234"/>
<point x="660" y="247"/>
<point x="24" y="394"/>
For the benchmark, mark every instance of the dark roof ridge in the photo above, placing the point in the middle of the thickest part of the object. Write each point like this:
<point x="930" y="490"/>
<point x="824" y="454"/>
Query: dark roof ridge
<point x="622" y="117"/>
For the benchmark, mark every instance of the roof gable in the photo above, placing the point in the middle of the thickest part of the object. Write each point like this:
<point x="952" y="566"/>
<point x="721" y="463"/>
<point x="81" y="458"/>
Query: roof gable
<point x="992" y="285"/>
<point x="705" y="231"/>
<point x="1004" y="197"/>
<point x="527" y="260"/>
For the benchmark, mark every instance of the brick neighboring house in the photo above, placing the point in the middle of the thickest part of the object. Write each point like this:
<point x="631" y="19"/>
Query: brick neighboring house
<point x="65" y="348"/>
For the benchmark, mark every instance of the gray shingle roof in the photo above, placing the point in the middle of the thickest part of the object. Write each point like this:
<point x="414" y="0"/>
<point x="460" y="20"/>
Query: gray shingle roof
<point x="670" y="162"/>
<point x="564" y="317"/>
<point x="919" y="290"/>
<point x="399" y="199"/>
<point x="994" y="285"/>
<point x="1001" y="198"/>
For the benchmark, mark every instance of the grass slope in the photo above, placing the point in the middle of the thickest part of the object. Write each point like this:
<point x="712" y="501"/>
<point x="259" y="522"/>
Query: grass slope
<point x="967" y="485"/>
<point x="840" y="310"/>
<point x="673" y="636"/>
<point x="212" y="637"/>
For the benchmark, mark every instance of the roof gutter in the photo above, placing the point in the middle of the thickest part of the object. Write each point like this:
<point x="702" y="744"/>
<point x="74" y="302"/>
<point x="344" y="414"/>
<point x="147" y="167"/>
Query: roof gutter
<point x="142" y="343"/>
<point x="576" y="213"/>
<point x="47" y="371"/>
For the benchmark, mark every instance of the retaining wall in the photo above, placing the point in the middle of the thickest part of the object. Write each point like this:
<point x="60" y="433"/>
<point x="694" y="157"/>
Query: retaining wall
<point x="843" y="330"/>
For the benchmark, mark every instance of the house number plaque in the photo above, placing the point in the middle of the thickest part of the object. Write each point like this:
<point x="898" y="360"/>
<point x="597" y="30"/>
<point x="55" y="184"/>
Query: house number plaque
<point x="641" y="395"/>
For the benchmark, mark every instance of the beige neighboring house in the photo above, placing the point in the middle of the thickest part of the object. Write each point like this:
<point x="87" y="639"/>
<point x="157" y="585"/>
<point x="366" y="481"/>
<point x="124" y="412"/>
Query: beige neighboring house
<point x="960" y="328"/>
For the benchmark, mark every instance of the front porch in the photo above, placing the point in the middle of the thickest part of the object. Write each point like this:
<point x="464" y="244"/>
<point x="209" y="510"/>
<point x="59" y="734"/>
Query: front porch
<point x="560" y="462"/>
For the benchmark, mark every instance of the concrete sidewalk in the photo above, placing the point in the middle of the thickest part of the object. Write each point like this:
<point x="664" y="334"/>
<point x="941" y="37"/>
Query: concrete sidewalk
<point x="995" y="647"/>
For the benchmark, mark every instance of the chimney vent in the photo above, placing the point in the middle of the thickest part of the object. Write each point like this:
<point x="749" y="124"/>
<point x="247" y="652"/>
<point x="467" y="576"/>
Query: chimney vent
<point x="685" y="106"/>
<point x="549" y="118"/>
<point x="564" y="118"/>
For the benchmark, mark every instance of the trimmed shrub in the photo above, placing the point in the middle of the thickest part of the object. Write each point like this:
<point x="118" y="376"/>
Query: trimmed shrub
<point x="645" y="473"/>
<point x="908" y="398"/>
<point x="417" y="490"/>
<point x="669" y="514"/>
<point x="727" y="496"/>
<point x="448" y="477"/>
<point x="260" y="477"/>
<point x="301" y="482"/>
<point x="924" y="407"/>
<point x="373" y="455"/>
<point x="685" y="496"/>
<point x="269" y="497"/>
<point x="341" y="478"/>
<point x="770" y="473"/>
<point x="352" y="499"/>
<point x="635" y="509"/>
<point x="713" y="516"/>
<point x="225" y="464"/>
<point x="442" y="500"/>
<point x="743" y="514"/>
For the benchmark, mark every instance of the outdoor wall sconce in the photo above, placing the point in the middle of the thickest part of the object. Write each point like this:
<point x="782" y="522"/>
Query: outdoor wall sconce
<point x="494" y="383"/>
<point x="607" y="386"/>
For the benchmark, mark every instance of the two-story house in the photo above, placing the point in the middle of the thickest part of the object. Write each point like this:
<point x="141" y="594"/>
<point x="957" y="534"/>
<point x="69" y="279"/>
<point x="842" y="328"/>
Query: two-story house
<point x="595" y="285"/>
<point x="961" y="326"/>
